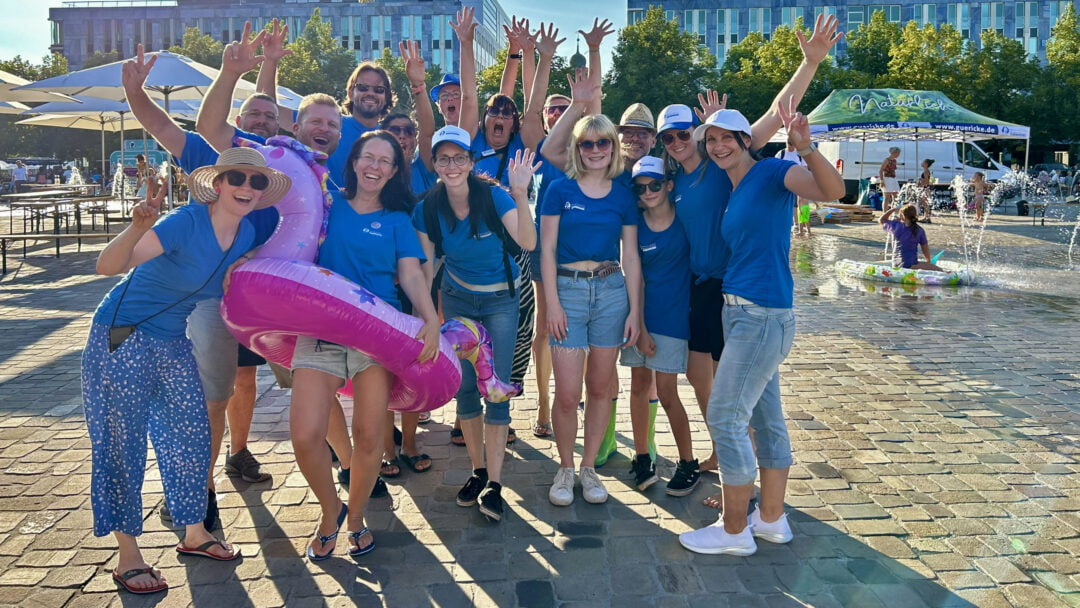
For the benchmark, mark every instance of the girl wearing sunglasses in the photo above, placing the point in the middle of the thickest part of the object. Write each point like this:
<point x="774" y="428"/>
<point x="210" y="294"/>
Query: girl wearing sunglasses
<point x="592" y="310"/>
<point x="139" y="374"/>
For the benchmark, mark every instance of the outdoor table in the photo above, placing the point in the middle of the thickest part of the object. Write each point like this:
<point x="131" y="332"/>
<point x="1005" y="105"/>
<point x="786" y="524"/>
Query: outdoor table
<point x="39" y="208"/>
<point x="70" y="188"/>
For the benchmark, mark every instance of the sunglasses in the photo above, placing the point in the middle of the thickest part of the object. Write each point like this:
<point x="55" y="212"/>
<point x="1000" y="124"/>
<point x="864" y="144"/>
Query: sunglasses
<point x="444" y="161"/>
<point x="406" y="130"/>
<point x="654" y="186"/>
<point x="600" y="144"/>
<point x="364" y="88"/>
<point x="556" y="109"/>
<point x="258" y="181"/>
<point x="504" y="112"/>
<point x="668" y="137"/>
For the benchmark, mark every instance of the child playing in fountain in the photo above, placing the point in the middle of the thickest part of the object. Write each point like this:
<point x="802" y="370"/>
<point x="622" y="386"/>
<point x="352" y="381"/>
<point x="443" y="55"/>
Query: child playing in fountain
<point x="980" y="187"/>
<point x="909" y="236"/>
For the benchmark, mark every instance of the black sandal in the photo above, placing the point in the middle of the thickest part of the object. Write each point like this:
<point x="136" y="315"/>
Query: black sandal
<point x="413" y="461"/>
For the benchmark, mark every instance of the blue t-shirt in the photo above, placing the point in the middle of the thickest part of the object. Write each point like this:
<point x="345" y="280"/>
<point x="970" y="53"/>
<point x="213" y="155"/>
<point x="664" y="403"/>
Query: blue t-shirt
<point x="191" y="253"/>
<point x="365" y="248"/>
<point x="665" y="266"/>
<point x="421" y="180"/>
<point x="590" y="228"/>
<point x="477" y="260"/>
<point x="351" y="130"/>
<point x="907" y="244"/>
<point x="199" y="153"/>
<point x="487" y="162"/>
<point x="757" y="230"/>
<point x="547" y="174"/>
<point x="626" y="178"/>
<point x="700" y="199"/>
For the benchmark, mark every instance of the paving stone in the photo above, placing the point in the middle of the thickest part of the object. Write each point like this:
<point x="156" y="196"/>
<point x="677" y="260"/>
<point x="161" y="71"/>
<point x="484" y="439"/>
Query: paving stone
<point x="1002" y="570"/>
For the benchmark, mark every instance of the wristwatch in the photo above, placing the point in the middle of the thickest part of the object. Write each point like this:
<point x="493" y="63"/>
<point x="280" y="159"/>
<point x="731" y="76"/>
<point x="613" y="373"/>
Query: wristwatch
<point x="807" y="151"/>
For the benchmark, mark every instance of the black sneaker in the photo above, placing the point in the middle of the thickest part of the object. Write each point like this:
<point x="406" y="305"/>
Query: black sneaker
<point x="244" y="465"/>
<point x="644" y="472"/>
<point x="685" y="479"/>
<point x="491" y="502"/>
<point x="212" y="519"/>
<point x="466" y="497"/>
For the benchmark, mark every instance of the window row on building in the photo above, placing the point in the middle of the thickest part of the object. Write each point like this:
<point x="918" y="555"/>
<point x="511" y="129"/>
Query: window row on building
<point x="720" y="28"/>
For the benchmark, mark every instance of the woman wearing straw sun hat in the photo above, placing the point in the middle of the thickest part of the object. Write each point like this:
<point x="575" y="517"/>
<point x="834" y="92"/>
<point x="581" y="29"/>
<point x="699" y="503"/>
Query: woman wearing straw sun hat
<point x="139" y="373"/>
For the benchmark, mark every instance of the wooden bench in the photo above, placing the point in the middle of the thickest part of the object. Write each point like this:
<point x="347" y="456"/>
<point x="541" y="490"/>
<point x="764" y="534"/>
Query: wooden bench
<point x="46" y="236"/>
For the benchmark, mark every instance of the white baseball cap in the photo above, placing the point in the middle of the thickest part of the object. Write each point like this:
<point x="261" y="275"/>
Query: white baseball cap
<point x="732" y="120"/>
<point x="649" y="166"/>
<point x="676" y="116"/>
<point x="452" y="134"/>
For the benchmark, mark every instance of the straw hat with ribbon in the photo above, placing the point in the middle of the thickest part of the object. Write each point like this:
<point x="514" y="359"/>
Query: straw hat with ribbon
<point x="201" y="181"/>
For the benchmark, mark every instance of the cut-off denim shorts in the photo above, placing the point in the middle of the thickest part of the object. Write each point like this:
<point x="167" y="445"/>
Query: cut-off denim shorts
<point x="498" y="313"/>
<point x="329" y="358"/>
<point x="670" y="357"/>
<point x="746" y="392"/>
<point x="596" y="310"/>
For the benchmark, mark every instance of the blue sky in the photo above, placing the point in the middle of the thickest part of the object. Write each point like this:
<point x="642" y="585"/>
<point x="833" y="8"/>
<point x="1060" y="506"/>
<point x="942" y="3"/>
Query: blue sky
<point x="25" y="30"/>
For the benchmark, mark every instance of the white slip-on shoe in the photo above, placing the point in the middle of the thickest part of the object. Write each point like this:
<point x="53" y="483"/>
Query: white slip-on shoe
<point x="592" y="489"/>
<point x="561" y="493"/>
<point x="714" y="540"/>
<point x="778" y="531"/>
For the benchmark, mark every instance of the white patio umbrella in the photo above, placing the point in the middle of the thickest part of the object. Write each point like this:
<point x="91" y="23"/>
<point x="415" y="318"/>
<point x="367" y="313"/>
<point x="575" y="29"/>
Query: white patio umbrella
<point x="12" y="107"/>
<point x="9" y="81"/>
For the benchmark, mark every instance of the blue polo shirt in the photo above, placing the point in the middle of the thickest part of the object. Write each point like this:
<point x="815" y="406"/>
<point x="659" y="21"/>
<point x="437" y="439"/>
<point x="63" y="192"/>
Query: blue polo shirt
<point x="147" y="293"/>
<point x="665" y="266"/>
<point x="700" y="199"/>
<point x="589" y="228"/>
<point x="351" y="130"/>
<point x="473" y="259"/>
<point x="757" y="229"/>
<point x="420" y="179"/>
<point x="365" y="248"/>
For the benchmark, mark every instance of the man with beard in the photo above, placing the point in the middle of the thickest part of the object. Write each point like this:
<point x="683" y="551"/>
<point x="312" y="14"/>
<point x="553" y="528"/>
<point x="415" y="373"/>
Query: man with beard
<point x="368" y="99"/>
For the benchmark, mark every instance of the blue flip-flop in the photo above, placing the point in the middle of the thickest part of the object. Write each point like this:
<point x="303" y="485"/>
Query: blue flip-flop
<point x="358" y="551"/>
<point x="315" y="557"/>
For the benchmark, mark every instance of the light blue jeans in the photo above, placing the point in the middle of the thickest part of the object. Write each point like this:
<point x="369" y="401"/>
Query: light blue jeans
<point x="498" y="313"/>
<point x="746" y="393"/>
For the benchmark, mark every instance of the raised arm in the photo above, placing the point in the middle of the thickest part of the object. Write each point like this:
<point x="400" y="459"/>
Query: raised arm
<point x="519" y="222"/>
<point x="137" y="243"/>
<point x="150" y="115"/>
<point x="237" y="59"/>
<point x="594" y="38"/>
<point x="814" y="51"/>
<point x="819" y="180"/>
<point x="583" y="91"/>
<point x="425" y="116"/>
<point x="273" y="50"/>
<point x="532" y="122"/>
<point x="515" y="32"/>
<point x="464" y="27"/>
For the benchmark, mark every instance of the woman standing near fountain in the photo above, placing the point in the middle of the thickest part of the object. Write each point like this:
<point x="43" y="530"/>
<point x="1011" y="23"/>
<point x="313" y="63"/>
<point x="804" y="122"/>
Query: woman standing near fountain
<point x="887" y="173"/>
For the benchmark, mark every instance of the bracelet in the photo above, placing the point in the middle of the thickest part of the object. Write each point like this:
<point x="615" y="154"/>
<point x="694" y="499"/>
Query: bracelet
<point x="514" y="56"/>
<point x="807" y="151"/>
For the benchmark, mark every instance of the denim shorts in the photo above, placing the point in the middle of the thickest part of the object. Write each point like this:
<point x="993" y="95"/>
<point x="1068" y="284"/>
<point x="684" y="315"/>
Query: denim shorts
<point x="670" y="357"/>
<point x="746" y="393"/>
<point x="596" y="311"/>
<point x="498" y="313"/>
<point x="215" y="350"/>
<point x="329" y="358"/>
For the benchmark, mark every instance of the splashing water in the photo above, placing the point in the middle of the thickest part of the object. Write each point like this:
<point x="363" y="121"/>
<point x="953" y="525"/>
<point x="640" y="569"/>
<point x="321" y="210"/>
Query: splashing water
<point x="120" y="186"/>
<point x="76" y="178"/>
<point x="967" y="236"/>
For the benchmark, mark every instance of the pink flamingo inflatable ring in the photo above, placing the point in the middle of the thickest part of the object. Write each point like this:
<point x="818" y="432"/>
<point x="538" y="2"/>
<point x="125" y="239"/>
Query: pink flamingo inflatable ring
<point x="281" y="294"/>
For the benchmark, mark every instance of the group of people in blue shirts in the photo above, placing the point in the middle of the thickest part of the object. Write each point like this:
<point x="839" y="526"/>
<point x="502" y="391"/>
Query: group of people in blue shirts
<point x="670" y="264"/>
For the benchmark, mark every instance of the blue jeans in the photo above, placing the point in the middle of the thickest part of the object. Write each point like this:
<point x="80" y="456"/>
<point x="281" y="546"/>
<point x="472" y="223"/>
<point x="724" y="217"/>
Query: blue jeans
<point x="746" y="393"/>
<point x="498" y="313"/>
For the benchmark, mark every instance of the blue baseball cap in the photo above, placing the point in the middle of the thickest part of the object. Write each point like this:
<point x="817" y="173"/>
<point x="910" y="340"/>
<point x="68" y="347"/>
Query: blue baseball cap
<point x="452" y="134"/>
<point x="649" y="166"/>
<point x="446" y="79"/>
<point x="676" y="116"/>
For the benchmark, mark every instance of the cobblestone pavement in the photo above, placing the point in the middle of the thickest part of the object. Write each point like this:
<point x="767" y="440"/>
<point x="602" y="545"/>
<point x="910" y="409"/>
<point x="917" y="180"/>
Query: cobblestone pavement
<point x="936" y="439"/>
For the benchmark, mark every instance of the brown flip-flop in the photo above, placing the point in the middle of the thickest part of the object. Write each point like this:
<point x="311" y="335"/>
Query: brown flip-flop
<point x="122" y="580"/>
<point x="203" y="551"/>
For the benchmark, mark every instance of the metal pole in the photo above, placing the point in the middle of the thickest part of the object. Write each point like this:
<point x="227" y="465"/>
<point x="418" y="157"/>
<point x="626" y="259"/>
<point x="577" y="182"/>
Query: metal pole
<point x="168" y="162"/>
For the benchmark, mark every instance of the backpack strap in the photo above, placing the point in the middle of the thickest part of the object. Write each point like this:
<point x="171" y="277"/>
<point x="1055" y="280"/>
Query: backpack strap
<point x="495" y="224"/>
<point x="434" y="230"/>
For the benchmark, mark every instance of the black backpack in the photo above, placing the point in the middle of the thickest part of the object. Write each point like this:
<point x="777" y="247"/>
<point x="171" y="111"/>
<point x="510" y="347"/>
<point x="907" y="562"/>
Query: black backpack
<point x="480" y="197"/>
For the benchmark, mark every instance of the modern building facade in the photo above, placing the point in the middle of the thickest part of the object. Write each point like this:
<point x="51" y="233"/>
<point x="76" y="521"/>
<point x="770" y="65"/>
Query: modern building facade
<point x="720" y="24"/>
<point x="366" y="27"/>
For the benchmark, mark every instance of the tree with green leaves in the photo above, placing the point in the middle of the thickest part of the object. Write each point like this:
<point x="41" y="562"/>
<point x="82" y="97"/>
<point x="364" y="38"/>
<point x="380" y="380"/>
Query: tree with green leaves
<point x="200" y="47"/>
<point x="866" y="60"/>
<point x="656" y="64"/>
<point x="998" y="78"/>
<point x="318" y="64"/>
<point x="926" y="58"/>
<point x="100" y="58"/>
<point x="51" y="65"/>
<point x="1063" y="48"/>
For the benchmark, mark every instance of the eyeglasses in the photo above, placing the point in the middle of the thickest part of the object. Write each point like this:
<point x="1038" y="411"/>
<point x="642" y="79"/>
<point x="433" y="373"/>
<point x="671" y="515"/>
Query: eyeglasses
<point x="258" y="181"/>
<point x="506" y="112"/>
<point x="405" y="130"/>
<point x="668" y="137"/>
<point x="600" y="144"/>
<point x="653" y="186"/>
<point x="456" y="95"/>
<point x="459" y="160"/>
<point x="364" y="88"/>
<point x="559" y="109"/>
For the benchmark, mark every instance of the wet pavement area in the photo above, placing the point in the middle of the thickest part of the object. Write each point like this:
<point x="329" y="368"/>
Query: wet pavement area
<point x="936" y="435"/>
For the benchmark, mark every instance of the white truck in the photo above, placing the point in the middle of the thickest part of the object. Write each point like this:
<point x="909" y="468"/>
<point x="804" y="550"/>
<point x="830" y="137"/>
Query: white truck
<point x="949" y="160"/>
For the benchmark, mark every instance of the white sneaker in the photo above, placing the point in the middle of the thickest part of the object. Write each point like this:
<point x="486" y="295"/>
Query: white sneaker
<point x="592" y="489"/>
<point x="776" y="532"/>
<point x="561" y="493"/>
<point x="713" y="540"/>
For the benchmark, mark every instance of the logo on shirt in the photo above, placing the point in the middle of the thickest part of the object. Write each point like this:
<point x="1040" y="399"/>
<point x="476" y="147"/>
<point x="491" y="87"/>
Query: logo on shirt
<point x="649" y="247"/>
<point x="572" y="206"/>
<point x="376" y="225"/>
<point x="374" y="229"/>
<point x="483" y="235"/>
<point x="678" y="197"/>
